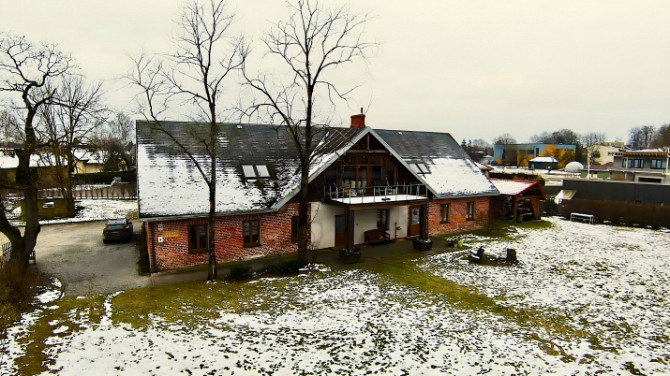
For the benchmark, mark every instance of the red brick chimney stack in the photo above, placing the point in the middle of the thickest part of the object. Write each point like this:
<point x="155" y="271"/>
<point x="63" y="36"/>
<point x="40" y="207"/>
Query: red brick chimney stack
<point x="358" y="121"/>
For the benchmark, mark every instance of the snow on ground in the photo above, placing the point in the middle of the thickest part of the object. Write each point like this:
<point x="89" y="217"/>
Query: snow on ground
<point x="608" y="282"/>
<point x="93" y="210"/>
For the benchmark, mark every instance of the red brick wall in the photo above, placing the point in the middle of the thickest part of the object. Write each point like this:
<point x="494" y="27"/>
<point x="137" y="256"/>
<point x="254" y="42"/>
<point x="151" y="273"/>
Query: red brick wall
<point x="275" y="239"/>
<point x="457" y="215"/>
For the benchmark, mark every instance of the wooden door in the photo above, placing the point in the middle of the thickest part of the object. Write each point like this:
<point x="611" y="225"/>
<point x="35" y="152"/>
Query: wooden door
<point x="414" y="227"/>
<point x="340" y="230"/>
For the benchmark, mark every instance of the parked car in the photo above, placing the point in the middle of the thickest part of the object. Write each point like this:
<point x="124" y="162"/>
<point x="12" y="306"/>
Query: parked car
<point x="117" y="229"/>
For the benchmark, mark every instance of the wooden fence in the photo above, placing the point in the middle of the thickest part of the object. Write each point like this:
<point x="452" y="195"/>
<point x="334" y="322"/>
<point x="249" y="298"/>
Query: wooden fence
<point x="123" y="191"/>
<point x="6" y="251"/>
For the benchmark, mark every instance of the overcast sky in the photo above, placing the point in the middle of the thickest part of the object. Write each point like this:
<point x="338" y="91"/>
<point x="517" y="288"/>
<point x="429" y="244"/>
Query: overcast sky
<point x="475" y="69"/>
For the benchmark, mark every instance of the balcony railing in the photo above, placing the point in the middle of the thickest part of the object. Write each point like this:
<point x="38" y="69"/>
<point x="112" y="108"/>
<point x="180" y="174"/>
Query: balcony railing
<point x="376" y="194"/>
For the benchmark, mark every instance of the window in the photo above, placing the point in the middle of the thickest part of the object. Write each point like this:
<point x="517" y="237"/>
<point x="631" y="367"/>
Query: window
<point x="294" y="229"/>
<point x="257" y="171"/>
<point x="251" y="233"/>
<point x="444" y="213"/>
<point x="383" y="219"/>
<point x="634" y="163"/>
<point x="470" y="215"/>
<point x="658" y="164"/>
<point x="262" y="171"/>
<point x="197" y="238"/>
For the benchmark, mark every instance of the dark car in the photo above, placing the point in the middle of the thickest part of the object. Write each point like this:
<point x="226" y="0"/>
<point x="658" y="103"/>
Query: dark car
<point x="117" y="229"/>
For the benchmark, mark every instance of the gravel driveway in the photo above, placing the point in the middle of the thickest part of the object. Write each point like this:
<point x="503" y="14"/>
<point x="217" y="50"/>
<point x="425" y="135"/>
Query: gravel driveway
<point x="75" y="254"/>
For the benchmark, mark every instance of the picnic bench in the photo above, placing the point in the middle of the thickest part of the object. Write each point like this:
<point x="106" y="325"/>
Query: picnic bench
<point x="588" y="218"/>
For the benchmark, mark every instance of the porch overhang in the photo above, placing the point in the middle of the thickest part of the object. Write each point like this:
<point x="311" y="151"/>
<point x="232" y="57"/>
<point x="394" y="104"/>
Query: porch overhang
<point x="362" y="202"/>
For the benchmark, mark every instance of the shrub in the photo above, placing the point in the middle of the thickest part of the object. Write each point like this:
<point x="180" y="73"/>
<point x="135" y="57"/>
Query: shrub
<point x="16" y="292"/>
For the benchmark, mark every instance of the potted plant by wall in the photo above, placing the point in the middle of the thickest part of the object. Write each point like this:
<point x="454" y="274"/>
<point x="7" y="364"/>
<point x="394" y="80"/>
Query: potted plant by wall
<point x="350" y="256"/>
<point x="422" y="245"/>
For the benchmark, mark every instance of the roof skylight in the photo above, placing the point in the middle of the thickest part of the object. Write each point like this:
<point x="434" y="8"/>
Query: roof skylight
<point x="255" y="171"/>
<point x="262" y="171"/>
<point x="419" y="168"/>
<point x="248" y="171"/>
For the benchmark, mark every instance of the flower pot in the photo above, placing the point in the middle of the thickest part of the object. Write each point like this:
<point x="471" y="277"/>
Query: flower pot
<point x="422" y="245"/>
<point x="350" y="256"/>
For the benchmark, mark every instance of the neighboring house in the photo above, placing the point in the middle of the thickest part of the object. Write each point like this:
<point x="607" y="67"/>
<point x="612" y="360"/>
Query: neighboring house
<point x="512" y="154"/>
<point x="362" y="181"/>
<point x="646" y="166"/>
<point x="88" y="162"/>
<point x="486" y="160"/>
<point x="519" y="200"/>
<point x="44" y="164"/>
<point x="603" y="154"/>
<point x="543" y="163"/>
<point x="620" y="202"/>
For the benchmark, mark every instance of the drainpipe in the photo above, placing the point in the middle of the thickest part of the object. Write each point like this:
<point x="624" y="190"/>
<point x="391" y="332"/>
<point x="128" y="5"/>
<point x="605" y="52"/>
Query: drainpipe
<point x="152" y="267"/>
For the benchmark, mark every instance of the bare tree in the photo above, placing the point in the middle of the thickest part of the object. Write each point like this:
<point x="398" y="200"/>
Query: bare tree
<point x="78" y="112"/>
<point x="194" y="74"/>
<point x="642" y="137"/>
<point x="504" y="139"/>
<point x="593" y="138"/>
<point x="29" y="72"/>
<point x="10" y="129"/>
<point x="662" y="139"/>
<point x="114" y="140"/>
<point x="312" y="43"/>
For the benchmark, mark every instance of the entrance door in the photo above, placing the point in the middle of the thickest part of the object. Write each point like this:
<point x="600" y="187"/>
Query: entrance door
<point x="414" y="228"/>
<point x="340" y="230"/>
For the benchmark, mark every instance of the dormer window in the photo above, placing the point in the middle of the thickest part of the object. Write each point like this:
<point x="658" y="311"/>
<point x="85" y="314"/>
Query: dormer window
<point x="255" y="171"/>
<point x="419" y="168"/>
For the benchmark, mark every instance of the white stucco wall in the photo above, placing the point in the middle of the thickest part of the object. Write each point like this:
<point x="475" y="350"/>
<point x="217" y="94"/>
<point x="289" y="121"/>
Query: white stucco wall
<point x="323" y="223"/>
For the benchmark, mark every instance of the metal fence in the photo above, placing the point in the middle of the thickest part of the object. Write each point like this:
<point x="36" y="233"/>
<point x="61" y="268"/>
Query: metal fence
<point x="123" y="191"/>
<point x="6" y="251"/>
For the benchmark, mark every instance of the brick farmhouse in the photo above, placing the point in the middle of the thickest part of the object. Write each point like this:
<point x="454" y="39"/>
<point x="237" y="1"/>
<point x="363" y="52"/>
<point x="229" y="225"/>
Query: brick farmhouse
<point x="366" y="185"/>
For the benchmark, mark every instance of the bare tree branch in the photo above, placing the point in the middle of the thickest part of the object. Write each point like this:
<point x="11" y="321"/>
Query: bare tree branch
<point x="194" y="74"/>
<point x="312" y="42"/>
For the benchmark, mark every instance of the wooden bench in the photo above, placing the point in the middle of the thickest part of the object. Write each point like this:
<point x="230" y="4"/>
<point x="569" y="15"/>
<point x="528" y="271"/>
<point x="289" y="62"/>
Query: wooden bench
<point x="588" y="218"/>
<point x="376" y="236"/>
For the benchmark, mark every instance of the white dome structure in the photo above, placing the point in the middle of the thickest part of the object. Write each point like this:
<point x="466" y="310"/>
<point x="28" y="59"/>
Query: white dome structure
<point x="574" y="167"/>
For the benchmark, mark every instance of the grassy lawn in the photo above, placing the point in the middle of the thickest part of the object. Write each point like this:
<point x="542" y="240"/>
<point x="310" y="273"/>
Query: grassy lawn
<point x="405" y="313"/>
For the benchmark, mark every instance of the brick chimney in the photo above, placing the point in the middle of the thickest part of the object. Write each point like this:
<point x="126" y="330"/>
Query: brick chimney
<point x="358" y="121"/>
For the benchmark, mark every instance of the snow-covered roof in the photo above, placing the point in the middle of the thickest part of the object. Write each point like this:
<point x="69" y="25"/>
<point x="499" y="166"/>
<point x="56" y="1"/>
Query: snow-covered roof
<point x="169" y="183"/>
<point x="516" y="187"/>
<point x="451" y="172"/>
<point x="12" y="161"/>
<point x="544" y="160"/>
<point x="89" y="157"/>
